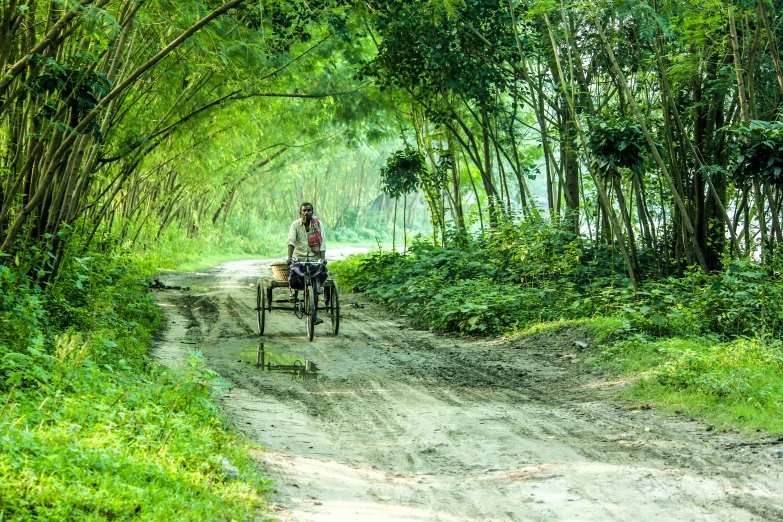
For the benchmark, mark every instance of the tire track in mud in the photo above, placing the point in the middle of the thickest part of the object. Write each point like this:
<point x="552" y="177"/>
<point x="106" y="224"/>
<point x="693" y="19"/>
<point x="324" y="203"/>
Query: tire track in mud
<point x="403" y="424"/>
<point x="233" y="309"/>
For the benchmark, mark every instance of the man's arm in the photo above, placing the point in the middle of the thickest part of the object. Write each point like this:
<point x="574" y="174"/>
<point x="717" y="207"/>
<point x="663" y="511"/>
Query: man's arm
<point x="290" y="253"/>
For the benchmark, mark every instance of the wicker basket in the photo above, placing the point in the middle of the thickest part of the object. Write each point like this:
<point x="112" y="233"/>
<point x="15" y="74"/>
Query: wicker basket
<point x="280" y="270"/>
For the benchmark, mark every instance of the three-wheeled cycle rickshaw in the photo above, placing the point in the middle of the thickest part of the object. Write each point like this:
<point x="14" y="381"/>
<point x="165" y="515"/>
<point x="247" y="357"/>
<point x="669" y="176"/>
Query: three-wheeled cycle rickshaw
<point x="306" y="306"/>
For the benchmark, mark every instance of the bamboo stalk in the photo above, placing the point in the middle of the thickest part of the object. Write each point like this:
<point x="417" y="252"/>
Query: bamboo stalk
<point x="653" y="148"/>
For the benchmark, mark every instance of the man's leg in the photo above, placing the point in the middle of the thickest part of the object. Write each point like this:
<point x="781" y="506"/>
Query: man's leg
<point x="294" y="284"/>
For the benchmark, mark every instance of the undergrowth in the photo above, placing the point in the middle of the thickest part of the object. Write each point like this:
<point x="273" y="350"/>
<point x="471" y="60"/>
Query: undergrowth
<point x="706" y="343"/>
<point x="734" y="384"/>
<point x="90" y="427"/>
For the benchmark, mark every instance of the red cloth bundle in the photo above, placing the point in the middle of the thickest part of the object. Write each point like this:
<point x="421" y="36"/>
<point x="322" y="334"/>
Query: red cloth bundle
<point x="315" y="238"/>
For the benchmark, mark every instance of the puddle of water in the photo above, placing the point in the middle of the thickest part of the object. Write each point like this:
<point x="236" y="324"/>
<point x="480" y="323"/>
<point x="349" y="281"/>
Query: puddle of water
<point x="278" y="362"/>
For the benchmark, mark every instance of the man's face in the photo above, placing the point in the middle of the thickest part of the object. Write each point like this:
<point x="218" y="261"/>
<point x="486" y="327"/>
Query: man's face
<point x="306" y="211"/>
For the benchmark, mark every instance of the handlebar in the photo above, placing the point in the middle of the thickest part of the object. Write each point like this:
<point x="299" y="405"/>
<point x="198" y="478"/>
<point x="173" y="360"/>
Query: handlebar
<point x="307" y="262"/>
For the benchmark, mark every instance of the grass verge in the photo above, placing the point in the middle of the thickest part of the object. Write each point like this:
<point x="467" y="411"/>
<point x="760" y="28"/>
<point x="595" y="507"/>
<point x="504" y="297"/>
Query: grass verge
<point x="733" y="385"/>
<point x="123" y="445"/>
<point x="211" y="261"/>
<point x="736" y="384"/>
<point x="91" y="428"/>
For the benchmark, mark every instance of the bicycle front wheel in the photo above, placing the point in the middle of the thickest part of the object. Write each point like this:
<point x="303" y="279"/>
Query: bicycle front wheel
<point x="334" y="308"/>
<point x="312" y="311"/>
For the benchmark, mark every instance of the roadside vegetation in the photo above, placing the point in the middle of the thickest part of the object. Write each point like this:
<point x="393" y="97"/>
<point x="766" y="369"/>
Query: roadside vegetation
<point x="709" y="344"/>
<point x="91" y="427"/>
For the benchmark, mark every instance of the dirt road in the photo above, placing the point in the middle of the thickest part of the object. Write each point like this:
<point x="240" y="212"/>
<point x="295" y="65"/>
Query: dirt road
<point x="402" y="424"/>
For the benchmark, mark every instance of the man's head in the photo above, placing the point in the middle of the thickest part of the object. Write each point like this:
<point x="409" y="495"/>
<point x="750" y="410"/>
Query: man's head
<point x="306" y="211"/>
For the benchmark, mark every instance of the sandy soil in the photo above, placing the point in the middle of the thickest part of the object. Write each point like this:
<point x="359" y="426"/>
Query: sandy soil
<point x="403" y="424"/>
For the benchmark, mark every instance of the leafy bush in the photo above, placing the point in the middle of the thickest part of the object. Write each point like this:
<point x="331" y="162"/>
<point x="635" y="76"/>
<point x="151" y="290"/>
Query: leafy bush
<point x="465" y="290"/>
<point x="534" y="270"/>
<point x="759" y="153"/>
<point x="356" y="235"/>
<point x="617" y="143"/>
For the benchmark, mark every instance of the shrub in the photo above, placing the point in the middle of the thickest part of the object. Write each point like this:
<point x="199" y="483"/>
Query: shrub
<point x="532" y="270"/>
<point x="92" y="429"/>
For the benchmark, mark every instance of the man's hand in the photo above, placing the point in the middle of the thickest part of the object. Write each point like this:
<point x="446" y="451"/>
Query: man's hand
<point x="289" y="260"/>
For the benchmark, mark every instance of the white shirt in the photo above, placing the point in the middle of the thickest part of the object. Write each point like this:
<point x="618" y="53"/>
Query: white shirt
<point x="298" y="238"/>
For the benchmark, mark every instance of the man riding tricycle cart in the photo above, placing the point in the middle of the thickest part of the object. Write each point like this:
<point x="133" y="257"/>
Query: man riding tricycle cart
<point x="304" y="275"/>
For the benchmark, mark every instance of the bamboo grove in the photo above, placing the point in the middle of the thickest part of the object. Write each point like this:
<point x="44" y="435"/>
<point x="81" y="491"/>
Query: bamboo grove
<point x="121" y="119"/>
<point x="651" y="127"/>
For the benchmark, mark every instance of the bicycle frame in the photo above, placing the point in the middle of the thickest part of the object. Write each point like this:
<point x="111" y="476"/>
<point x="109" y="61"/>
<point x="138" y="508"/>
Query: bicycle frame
<point x="309" y="305"/>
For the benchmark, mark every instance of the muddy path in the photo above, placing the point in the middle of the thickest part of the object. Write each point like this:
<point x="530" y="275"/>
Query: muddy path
<point x="402" y="424"/>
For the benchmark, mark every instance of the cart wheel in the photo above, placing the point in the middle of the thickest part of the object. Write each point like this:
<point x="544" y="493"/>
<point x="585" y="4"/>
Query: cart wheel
<point x="334" y="308"/>
<point x="311" y="311"/>
<point x="261" y="308"/>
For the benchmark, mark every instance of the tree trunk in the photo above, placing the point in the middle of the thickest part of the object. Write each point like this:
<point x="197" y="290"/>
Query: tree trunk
<point x="653" y="148"/>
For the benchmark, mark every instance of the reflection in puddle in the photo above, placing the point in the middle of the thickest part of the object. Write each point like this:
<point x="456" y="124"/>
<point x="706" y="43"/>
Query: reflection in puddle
<point x="278" y="362"/>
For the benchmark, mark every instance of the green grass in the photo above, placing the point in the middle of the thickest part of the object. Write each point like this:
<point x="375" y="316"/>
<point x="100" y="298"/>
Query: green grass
<point x="212" y="246"/>
<point x="122" y="446"/>
<point x="736" y="415"/>
<point x="731" y="384"/>
<point x="601" y="329"/>
<point x="92" y="428"/>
